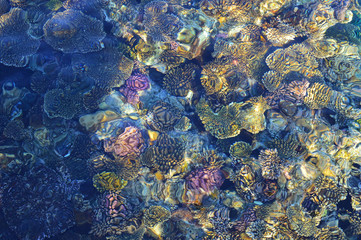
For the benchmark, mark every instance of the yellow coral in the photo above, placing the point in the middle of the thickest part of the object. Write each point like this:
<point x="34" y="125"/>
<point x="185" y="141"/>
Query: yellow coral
<point x="272" y="80"/>
<point x="318" y="96"/>
<point x="301" y="222"/>
<point x="178" y="81"/>
<point x="108" y="181"/>
<point x="231" y="119"/>
<point x="296" y="58"/>
<point x="155" y="215"/>
<point x="240" y="150"/>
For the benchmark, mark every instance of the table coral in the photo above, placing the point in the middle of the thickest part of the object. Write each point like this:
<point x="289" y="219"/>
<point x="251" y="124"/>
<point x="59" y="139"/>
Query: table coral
<point x="72" y="31"/>
<point x="16" y="44"/>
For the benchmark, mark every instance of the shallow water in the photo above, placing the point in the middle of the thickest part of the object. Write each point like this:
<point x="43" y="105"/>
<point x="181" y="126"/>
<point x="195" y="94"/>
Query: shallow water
<point x="180" y="119"/>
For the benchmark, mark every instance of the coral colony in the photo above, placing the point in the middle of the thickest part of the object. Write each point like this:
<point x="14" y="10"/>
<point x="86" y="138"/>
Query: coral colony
<point x="180" y="119"/>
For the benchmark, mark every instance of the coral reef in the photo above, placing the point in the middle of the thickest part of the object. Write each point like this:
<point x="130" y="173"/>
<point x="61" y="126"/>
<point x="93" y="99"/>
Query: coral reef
<point x="240" y="150"/>
<point x="16" y="44"/>
<point x="163" y="116"/>
<point x="138" y="82"/>
<point x="202" y="182"/>
<point x="180" y="119"/>
<point x="231" y="119"/>
<point x="180" y="80"/>
<point x="72" y="31"/>
<point x="108" y="68"/>
<point x="155" y="215"/>
<point x="166" y="154"/>
<point x="108" y="181"/>
<point x="294" y="58"/>
<point x="60" y="103"/>
<point x="27" y="213"/>
<point x="113" y="214"/>
<point x="271" y="163"/>
<point x="129" y="142"/>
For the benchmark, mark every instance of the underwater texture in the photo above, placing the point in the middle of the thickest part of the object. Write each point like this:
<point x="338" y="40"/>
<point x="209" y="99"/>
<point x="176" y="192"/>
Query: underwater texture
<point x="180" y="119"/>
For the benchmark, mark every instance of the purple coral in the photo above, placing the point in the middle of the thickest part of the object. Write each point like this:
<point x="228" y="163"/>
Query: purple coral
<point x="113" y="205"/>
<point x="113" y="213"/>
<point x="131" y="96"/>
<point x="203" y="181"/>
<point x="138" y="82"/>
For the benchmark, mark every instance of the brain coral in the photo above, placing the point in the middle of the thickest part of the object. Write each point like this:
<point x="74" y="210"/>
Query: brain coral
<point x="72" y="31"/>
<point x="15" y="43"/>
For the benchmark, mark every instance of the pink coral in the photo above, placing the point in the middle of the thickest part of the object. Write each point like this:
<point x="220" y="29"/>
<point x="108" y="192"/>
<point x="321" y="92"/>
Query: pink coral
<point x="113" y="203"/>
<point x="138" y="82"/>
<point x="130" y="95"/>
<point x="130" y="141"/>
<point x="202" y="182"/>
